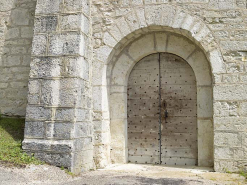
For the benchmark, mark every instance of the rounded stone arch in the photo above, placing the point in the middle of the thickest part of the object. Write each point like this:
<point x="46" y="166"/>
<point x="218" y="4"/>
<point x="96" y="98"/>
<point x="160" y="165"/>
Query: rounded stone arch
<point x="162" y="17"/>
<point x="160" y="42"/>
<point x="153" y="29"/>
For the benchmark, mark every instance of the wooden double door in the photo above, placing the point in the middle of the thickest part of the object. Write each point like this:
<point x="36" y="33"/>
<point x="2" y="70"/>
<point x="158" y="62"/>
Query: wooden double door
<point x="162" y="112"/>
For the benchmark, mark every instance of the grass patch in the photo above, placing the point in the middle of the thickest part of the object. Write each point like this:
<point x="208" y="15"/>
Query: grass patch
<point x="244" y="174"/>
<point x="241" y="173"/>
<point x="68" y="172"/>
<point x="11" y="137"/>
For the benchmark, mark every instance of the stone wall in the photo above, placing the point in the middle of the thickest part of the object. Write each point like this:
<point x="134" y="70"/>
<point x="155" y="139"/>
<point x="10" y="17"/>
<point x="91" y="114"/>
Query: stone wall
<point x="16" y="29"/>
<point x="218" y="24"/>
<point x="58" y="119"/>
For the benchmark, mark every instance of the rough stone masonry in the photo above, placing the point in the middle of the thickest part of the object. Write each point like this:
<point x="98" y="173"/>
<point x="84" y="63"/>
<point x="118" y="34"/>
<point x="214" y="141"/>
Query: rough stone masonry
<point x="65" y="65"/>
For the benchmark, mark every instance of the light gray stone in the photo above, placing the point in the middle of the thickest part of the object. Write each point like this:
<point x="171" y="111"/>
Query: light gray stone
<point x="65" y="92"/>
<point x="48" y="6"/>
<point x="77" y="6"/>
<point x="20" y="17"/>
<point x="67" y="44"/>
<point x="38" y="113"/>
<point x="45" y="24"/>
<point x="34" y="130"/>
<point x="39" y="45"/>
<point x="12" y="33"/>
<point x="27" y="32"/>
<point x="60" y="131"/>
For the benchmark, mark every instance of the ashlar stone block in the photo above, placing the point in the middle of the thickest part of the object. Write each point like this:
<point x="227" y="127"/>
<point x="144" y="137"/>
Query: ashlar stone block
<point x="45" y="67"/>
<point x="65" y="92"/>
<point x="199" y="64"/>
<point x="230" y="92"/>
<point x="204" y="102"/>
<point x="48" y="6"/>
<point x="227" y="139"/>
<point x="77" y="6"/>
<point x="20" y="17"/>
<point x="161" y="42"/>
<point x="75" y="22"/>
<point x="205" y="143"/>
<point x="109" y="40"/>
<point x="39" y="45"/>
<point x="177" y="43"/>
<point x="43" y="24"/>
<point x="59" y="130"/>
<point x="38" y="113"/>
<point x="34" y="130"/>
<point x="122" y="70"/>
<point x="140" y="12"/>
<point x="83" y="129"/>
<point x="67" y="44"/>
<point x="142" y="47"/>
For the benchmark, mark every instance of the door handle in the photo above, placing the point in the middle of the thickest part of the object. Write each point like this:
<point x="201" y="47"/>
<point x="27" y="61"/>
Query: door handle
<point x="166" y="114"/>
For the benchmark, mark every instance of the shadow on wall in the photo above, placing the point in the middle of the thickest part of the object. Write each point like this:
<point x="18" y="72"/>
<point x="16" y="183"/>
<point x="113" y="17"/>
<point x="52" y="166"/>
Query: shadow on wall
<point x="16" y="33"/>
<point x="14" y="127"/>
<point x="11" y="137"/>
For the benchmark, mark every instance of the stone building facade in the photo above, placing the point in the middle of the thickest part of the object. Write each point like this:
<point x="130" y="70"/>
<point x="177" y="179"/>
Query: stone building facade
<point x="71" y="68"/>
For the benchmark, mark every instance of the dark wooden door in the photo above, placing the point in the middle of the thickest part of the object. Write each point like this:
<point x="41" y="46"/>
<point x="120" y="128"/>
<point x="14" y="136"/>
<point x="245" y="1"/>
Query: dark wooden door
<point x="161" y="83"/>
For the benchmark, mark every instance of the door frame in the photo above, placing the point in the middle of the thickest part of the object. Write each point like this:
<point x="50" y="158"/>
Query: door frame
<point x="117" y="89"/>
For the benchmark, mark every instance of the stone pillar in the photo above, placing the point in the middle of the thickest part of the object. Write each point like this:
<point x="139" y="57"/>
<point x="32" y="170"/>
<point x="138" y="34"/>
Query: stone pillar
<point x="58" y="119"/>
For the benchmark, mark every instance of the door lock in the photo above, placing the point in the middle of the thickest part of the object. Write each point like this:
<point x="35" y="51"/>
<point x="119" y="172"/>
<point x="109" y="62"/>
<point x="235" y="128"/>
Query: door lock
<point x="164" y="107"/>
<point x="166" y="114"/>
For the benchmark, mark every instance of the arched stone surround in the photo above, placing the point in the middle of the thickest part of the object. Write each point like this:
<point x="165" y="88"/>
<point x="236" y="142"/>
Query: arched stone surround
<point x="159" y="28"/>
<point x="118" y="79"/>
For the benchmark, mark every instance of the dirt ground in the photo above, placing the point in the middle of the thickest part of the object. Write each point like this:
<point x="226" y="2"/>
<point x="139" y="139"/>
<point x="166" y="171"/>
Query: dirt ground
<point x="126" y="174"/>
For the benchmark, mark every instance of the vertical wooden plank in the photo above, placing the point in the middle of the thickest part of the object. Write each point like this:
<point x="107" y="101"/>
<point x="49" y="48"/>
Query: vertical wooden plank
<point x="143" y="111"/>
<point x="179" y="130"/>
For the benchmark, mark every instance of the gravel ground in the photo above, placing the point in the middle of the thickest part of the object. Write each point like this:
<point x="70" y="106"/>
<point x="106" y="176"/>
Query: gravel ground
<point x="126" y="174"/>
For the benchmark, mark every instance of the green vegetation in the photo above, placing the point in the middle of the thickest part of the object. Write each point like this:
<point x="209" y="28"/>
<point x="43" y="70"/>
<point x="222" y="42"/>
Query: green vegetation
<point x="241" y="172"/>
<point x="68" y="172"/>
<point x="11" y="137"/>
<point x="244" y="174"/>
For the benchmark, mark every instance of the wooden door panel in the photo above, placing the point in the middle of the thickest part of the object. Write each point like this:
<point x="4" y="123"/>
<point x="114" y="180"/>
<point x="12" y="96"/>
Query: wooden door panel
<point x="154" y="79"/>
<point x="143" y="111"/>
<point x="179" y="135"/>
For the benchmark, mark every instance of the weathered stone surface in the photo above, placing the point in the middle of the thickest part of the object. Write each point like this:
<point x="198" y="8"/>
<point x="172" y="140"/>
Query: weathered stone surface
<point x="62" y="52"/>
<point x="227" y="139"/>
<point x="45" y="24"/>
<point x="34" y="130"/>
<point x="226" y="109"/>
<point x="39" y="45"/>
<point x="77" y="6"/>
<point x="48" y="6"/>
<point x="20" y="17"/>
<point x="60" y="83"/>
<point x="142" y="47"/>
<point x="59" y="130"/>
<point x="38" y="113"/>
<point x="205" y="143"/>
<point x="230" y="92"/>
<point x="66" y="44"/>
<point x="176" y="43"/>
<point x="64" y="93"/>
<point x="75" y="22"/>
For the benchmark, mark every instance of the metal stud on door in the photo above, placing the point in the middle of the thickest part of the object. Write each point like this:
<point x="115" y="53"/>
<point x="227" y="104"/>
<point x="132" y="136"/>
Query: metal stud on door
<point x="143" y="112"/>
<point x="178" y="90"/>
<point x="162" y="111"/>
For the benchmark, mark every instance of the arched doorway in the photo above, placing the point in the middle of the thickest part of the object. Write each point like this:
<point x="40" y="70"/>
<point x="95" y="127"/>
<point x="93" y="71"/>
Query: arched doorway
<point x="119" y="70"/>
<point x="162" y="111"/>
